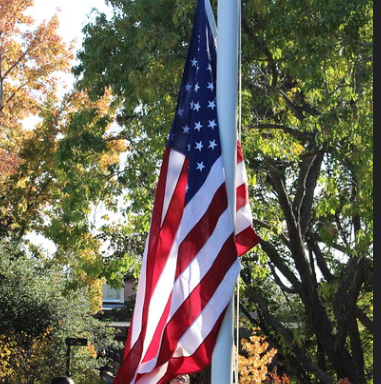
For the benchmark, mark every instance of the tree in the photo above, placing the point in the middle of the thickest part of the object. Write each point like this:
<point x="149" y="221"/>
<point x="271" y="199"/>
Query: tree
<point x="314" y="164"/>
<point x="53" y="172"/>
<point x="59" y="164"/>
<point x="307" y="137"/>
<point x="30" y="59"/>
<point x="29" y="62"/>
<point x="254" y="365"/>
<point x="257" y="361"/>
<point x="38" y="311"/>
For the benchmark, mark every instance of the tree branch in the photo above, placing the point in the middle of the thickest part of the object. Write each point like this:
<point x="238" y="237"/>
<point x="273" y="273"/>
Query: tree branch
<point x="280" y="283"/>
<point x="276" y="259"/>
<point x="292" y="106"/>
<point x="260" y="224"/>
<point x="301" y="136"/>
<point x="321" y="262"/>
<point x="303" y="194"/>
<point x="364" y="319"/>
<point x="344" y="295"/>
<point x="297" y="350"/>
<point x="265" y="50"/>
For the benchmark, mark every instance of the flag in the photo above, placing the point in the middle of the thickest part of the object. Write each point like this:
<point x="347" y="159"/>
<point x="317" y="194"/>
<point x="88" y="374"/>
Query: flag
<point x="191" y="260"/>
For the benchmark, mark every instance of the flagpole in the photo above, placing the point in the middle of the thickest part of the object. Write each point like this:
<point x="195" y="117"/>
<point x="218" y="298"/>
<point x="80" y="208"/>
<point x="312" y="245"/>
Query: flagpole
<point x="227" y="101"/>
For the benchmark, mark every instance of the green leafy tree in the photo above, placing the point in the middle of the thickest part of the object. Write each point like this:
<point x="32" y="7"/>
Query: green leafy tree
<point x="307" y="135"/>
<point x="38" y="311"/>
<point x="58" y="165"/>
<point x="310" y="145"/>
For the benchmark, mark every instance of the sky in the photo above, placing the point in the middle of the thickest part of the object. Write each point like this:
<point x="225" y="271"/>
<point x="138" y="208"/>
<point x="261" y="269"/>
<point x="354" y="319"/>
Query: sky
<point x="72" y="15"/>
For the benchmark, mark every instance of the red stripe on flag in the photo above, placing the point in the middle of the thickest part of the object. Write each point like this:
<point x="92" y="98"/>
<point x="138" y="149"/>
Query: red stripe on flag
<point x="246" y="240"/>
<point x="242" y="196"/>
<point x="162" y="234"/>
<point x="178" y="366"/>
<point x="195" y="303"/>
<point x="201" y="232"/>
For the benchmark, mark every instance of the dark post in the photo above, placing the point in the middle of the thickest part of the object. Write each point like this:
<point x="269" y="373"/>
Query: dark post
<point x="69" y="342"/>
<point x="68" y="362"/>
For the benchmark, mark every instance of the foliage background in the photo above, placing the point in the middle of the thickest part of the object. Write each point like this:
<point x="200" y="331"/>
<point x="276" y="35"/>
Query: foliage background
<point x="307" y="133"/>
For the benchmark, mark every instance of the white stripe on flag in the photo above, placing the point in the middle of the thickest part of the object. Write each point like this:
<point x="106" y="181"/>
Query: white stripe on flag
<point x="200" y="329"/>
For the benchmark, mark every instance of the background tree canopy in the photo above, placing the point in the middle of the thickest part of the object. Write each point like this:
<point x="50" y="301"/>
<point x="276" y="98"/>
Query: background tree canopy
<point x="38" y="311"/>
<point x="49" y="188"/>
<point x="307" y="133"/>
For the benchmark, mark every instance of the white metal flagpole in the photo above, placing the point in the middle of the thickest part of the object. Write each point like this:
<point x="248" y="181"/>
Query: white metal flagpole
<point x="227" y="100"/>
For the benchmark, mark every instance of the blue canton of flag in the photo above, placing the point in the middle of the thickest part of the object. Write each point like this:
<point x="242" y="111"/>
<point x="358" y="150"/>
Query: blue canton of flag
<point x="195" y="128"/>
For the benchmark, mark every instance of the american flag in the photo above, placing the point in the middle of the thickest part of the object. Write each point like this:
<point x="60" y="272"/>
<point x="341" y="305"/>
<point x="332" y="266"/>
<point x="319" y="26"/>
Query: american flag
<point x="191" y="261"/>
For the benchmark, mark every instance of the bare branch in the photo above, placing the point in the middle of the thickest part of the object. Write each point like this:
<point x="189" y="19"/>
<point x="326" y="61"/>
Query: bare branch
<point x="274" y="256"/>
<point x="322" y="263"/>
<point x="309" y="173"/>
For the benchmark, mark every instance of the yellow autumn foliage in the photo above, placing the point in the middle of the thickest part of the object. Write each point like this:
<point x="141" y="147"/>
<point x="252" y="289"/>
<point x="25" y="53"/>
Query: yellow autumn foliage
<point x="254" y="365"/>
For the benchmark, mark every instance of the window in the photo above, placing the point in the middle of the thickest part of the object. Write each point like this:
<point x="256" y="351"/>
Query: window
<point x="112" y="295"/>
